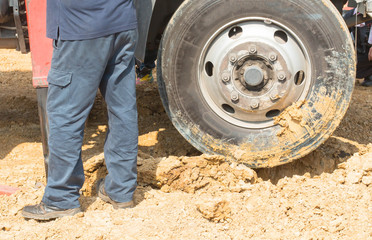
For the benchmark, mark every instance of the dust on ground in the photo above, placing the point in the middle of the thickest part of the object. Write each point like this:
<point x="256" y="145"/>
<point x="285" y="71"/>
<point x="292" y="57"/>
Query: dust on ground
<point x="183" y="194"/>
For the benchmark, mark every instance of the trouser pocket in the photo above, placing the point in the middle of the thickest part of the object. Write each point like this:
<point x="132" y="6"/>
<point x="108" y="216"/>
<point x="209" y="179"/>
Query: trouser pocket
<point x="59" y="91"/>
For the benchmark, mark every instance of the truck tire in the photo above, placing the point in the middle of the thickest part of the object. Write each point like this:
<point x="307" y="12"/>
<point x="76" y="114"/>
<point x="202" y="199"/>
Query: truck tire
<point x="262" y="82"/>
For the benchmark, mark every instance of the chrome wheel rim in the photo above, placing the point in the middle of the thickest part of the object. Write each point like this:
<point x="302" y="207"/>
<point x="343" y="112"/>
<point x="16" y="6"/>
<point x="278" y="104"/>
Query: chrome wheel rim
<point x="251" y="69"/>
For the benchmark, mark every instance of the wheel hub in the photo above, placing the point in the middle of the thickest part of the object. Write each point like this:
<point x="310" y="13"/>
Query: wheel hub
<point x="252" y="73"/>
<point x="255" y="79"/>
<point x="251" y="77"/>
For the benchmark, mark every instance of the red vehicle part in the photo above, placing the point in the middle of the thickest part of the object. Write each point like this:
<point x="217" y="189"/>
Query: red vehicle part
<point x="40" y="46"/>
<point x="7" y="190"/>
<point x="41" y="55"/>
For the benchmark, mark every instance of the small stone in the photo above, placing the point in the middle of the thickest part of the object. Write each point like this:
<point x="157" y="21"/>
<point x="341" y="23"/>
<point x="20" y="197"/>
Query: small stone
<point x="166" y="189"/>
<point x="367" y="180"/>
<point x="80" y="215"/>
<point x="340" y="179"/>
<point x="367" y="166"/>
<point x="337" y="222"/>
<point x="342" y="165"/>
<point x="6" y="228"/>
<point x="354" y="177"/>
<point x="307" y="175"/>
<point x="39" y="185"/>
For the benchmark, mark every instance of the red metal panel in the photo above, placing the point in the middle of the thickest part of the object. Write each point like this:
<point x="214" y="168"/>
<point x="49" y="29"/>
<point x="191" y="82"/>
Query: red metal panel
<point x="7" y="190"/>
<point x="40" y="46"/>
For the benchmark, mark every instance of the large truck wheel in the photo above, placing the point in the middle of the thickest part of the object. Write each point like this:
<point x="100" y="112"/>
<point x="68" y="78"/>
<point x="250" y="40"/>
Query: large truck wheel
<point x="262" y="82"/>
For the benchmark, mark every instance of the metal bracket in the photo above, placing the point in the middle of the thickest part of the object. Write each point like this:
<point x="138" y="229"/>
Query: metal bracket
<point x="364" y="7"/>
<point x="19" y="29"/>
<point x="144" y="14"/>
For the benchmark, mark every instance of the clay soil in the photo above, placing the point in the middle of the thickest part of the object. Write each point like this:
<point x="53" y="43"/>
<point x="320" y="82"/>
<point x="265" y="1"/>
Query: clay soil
<point x="183" y="194"/>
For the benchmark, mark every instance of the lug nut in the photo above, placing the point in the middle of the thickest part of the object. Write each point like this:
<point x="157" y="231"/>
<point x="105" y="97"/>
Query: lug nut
<point x="252" y="50"/>
<point x="225" y="77"/>
<point x="281" y="76"/>
<point x="274" y="96"/>
<point x="232" y="57"/>
<point x="273" y="57"/>
<point x="234" y="96"/>
<point x="255" y="104"/>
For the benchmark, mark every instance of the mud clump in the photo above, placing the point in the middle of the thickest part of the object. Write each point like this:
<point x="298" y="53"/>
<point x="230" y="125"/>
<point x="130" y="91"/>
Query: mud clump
<point x="291" y="119"/>
<point x="215" y="210"/>
<point x="358" y="169"/>
<point x="190" y="174"/>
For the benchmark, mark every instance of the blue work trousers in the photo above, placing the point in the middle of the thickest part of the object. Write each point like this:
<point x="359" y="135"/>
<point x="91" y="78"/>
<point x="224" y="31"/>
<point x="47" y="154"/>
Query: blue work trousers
<point x="78" y="69"/>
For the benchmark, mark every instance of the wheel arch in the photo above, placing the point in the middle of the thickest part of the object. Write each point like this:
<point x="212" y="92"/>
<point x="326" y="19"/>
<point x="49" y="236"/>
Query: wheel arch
<point x="153" y="17"/>
<point x="163" y="11"/>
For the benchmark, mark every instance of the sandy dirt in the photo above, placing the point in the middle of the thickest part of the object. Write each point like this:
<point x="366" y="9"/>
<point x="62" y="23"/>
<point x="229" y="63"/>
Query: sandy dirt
<point x="183" y="194"/>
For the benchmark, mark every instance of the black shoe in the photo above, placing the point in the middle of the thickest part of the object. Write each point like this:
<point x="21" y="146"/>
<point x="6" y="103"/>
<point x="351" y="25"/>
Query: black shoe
<point x="103" y="195"/>
<point x="44" y="212"/>
<point x="367" y="83"/>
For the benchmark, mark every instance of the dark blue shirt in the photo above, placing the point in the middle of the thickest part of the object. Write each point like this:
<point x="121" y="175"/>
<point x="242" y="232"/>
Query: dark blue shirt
<point x="87" y="19"/>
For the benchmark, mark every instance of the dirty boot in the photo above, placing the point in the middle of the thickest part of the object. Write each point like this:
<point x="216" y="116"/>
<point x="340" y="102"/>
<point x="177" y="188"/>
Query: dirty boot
<point x="43" y="212"/>
<point x="103" y="195"/>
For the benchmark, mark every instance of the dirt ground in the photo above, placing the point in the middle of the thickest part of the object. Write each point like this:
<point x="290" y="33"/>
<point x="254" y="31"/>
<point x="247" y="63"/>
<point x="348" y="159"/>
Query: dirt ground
<point x="183" y="194"/>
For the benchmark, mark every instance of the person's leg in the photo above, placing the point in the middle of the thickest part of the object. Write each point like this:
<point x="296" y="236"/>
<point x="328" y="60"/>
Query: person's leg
<point x="119" y="90"/>
<point x="364" y="66"/>
<point x="150" y="58"/>
<point x="76" y="72"/>
<point x="364" y="70"/>
<point x="144" y="70"/>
